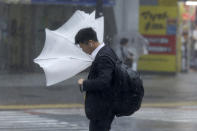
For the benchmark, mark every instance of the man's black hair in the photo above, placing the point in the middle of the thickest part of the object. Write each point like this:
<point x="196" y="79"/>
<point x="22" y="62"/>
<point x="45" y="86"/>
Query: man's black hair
<point x="84" y="35"/>
<point x="124" y="41"/>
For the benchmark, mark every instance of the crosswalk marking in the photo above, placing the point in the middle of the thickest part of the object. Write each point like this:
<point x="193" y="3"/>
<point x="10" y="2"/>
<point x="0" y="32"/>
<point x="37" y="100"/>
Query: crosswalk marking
<point x="183" y="114"/>
<point x="46" y="119"/>
<point x="23" y="121"/>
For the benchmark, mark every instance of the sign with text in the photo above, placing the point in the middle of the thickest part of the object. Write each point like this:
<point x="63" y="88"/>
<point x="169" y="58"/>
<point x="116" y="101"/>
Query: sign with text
<point x="168" y="2"/>
<point x="158" y="20"/>
<point x="158" y="24"/>
<point x="157" y="63"/>
<point x="161" y="44"/>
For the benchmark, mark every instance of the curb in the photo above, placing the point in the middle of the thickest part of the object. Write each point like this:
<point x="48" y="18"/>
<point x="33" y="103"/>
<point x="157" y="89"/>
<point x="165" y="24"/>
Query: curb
<point x="68" y="106"/>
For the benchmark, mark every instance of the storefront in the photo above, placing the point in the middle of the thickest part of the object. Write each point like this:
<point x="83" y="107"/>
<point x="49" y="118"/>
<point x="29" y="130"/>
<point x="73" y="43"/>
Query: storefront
<point x="169" y="25"/>
<point x="188" y="34"/>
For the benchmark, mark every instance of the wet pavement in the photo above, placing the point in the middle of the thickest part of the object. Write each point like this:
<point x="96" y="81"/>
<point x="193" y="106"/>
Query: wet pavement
<point x="170" y="104"/>
<point x="23" y="89"/>
<point x="147" y="119"/>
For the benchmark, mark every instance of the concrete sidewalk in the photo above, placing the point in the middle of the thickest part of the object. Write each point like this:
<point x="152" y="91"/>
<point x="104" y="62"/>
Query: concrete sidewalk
<point x="30" y="89"/>
<point x="25" y="89"/>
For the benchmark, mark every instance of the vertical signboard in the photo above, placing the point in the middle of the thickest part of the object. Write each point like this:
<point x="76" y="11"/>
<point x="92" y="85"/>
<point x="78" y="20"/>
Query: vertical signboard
<point x="158" y="24"/>
<point x="158" y="20"/>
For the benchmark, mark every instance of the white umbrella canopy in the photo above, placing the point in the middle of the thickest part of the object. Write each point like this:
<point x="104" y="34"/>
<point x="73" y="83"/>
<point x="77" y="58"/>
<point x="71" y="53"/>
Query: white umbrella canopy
<point x="61" y="58"/>
<point x="82" y="20"/>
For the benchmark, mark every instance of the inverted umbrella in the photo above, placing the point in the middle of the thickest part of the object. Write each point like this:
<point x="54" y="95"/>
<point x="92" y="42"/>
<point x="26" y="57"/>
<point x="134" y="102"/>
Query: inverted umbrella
<point x="61" y="58"/>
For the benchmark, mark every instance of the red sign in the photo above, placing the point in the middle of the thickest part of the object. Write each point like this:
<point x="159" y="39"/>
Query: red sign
<point x="161" y="44"/>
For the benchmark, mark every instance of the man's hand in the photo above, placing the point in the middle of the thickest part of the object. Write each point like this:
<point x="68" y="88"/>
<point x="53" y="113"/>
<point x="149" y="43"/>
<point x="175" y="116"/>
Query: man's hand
<point x="80" y="82"/>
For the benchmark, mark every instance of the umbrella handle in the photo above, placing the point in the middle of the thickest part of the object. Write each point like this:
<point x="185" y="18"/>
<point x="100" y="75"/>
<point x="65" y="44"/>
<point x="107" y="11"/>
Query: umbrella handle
<point x="83" y="93"/>
<point x="81" y="88"/>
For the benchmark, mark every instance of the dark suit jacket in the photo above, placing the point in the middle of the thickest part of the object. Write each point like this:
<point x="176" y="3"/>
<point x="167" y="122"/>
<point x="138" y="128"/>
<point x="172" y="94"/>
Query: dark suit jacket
<point x="98" y="87"/>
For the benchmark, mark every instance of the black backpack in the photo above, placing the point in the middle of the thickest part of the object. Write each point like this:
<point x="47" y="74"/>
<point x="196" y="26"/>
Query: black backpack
<point x="128" y="90"/>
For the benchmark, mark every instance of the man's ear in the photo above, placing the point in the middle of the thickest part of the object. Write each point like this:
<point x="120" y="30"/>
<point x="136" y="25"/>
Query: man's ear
<point x="91" y="43"/>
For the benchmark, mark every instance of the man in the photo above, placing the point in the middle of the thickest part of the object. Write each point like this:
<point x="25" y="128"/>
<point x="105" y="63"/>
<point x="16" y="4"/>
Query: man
<point x="98" y="86"/>
<point x="125" y="54"/>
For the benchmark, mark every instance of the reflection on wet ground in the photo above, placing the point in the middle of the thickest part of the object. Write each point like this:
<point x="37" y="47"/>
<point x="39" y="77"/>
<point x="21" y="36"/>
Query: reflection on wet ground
<point x="169" y="105"/>
<point x="147" y="119"/>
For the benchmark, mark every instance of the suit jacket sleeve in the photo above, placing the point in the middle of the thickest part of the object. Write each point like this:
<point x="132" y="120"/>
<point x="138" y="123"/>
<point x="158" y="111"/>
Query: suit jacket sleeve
<point x="105" y="69"/>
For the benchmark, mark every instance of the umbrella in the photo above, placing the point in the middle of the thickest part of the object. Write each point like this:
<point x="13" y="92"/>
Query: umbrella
<point x="61" y="58"/>
<point x="137" y="44"/>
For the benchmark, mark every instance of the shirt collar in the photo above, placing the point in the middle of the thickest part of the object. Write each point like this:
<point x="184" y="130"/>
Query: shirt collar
<point x="94" y="53"/>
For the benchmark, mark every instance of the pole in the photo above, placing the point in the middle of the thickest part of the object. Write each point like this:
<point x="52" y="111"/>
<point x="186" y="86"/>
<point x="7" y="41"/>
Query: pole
<point x="99" y="8"/>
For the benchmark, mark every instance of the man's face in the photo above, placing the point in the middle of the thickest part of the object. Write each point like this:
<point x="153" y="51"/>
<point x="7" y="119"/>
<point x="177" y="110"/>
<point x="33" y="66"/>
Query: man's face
<point x="86" y="48"/>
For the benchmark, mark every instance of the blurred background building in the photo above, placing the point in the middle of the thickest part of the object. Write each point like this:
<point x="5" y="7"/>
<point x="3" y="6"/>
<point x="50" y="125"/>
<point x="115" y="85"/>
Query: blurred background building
<point x="167" y="25"/>
<point x="23" y="23"/>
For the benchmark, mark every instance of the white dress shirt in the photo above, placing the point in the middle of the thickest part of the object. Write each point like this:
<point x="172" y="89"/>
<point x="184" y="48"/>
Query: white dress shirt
<point x="94" y="53"/>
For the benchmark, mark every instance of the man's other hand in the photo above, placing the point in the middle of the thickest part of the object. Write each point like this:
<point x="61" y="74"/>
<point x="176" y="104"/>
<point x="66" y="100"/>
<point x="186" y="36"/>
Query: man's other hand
<point x="80" y="81"/>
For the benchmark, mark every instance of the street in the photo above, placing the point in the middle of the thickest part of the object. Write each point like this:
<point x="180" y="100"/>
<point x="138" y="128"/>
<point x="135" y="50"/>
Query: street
<point x="169" y="105"/>
<point x="147" y="119"/>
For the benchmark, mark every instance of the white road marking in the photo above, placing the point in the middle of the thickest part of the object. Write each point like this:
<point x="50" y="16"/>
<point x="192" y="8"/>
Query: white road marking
<point x="183" y="114"/>
<point x="179" y="114"/>
<point x="20" y="120"/>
